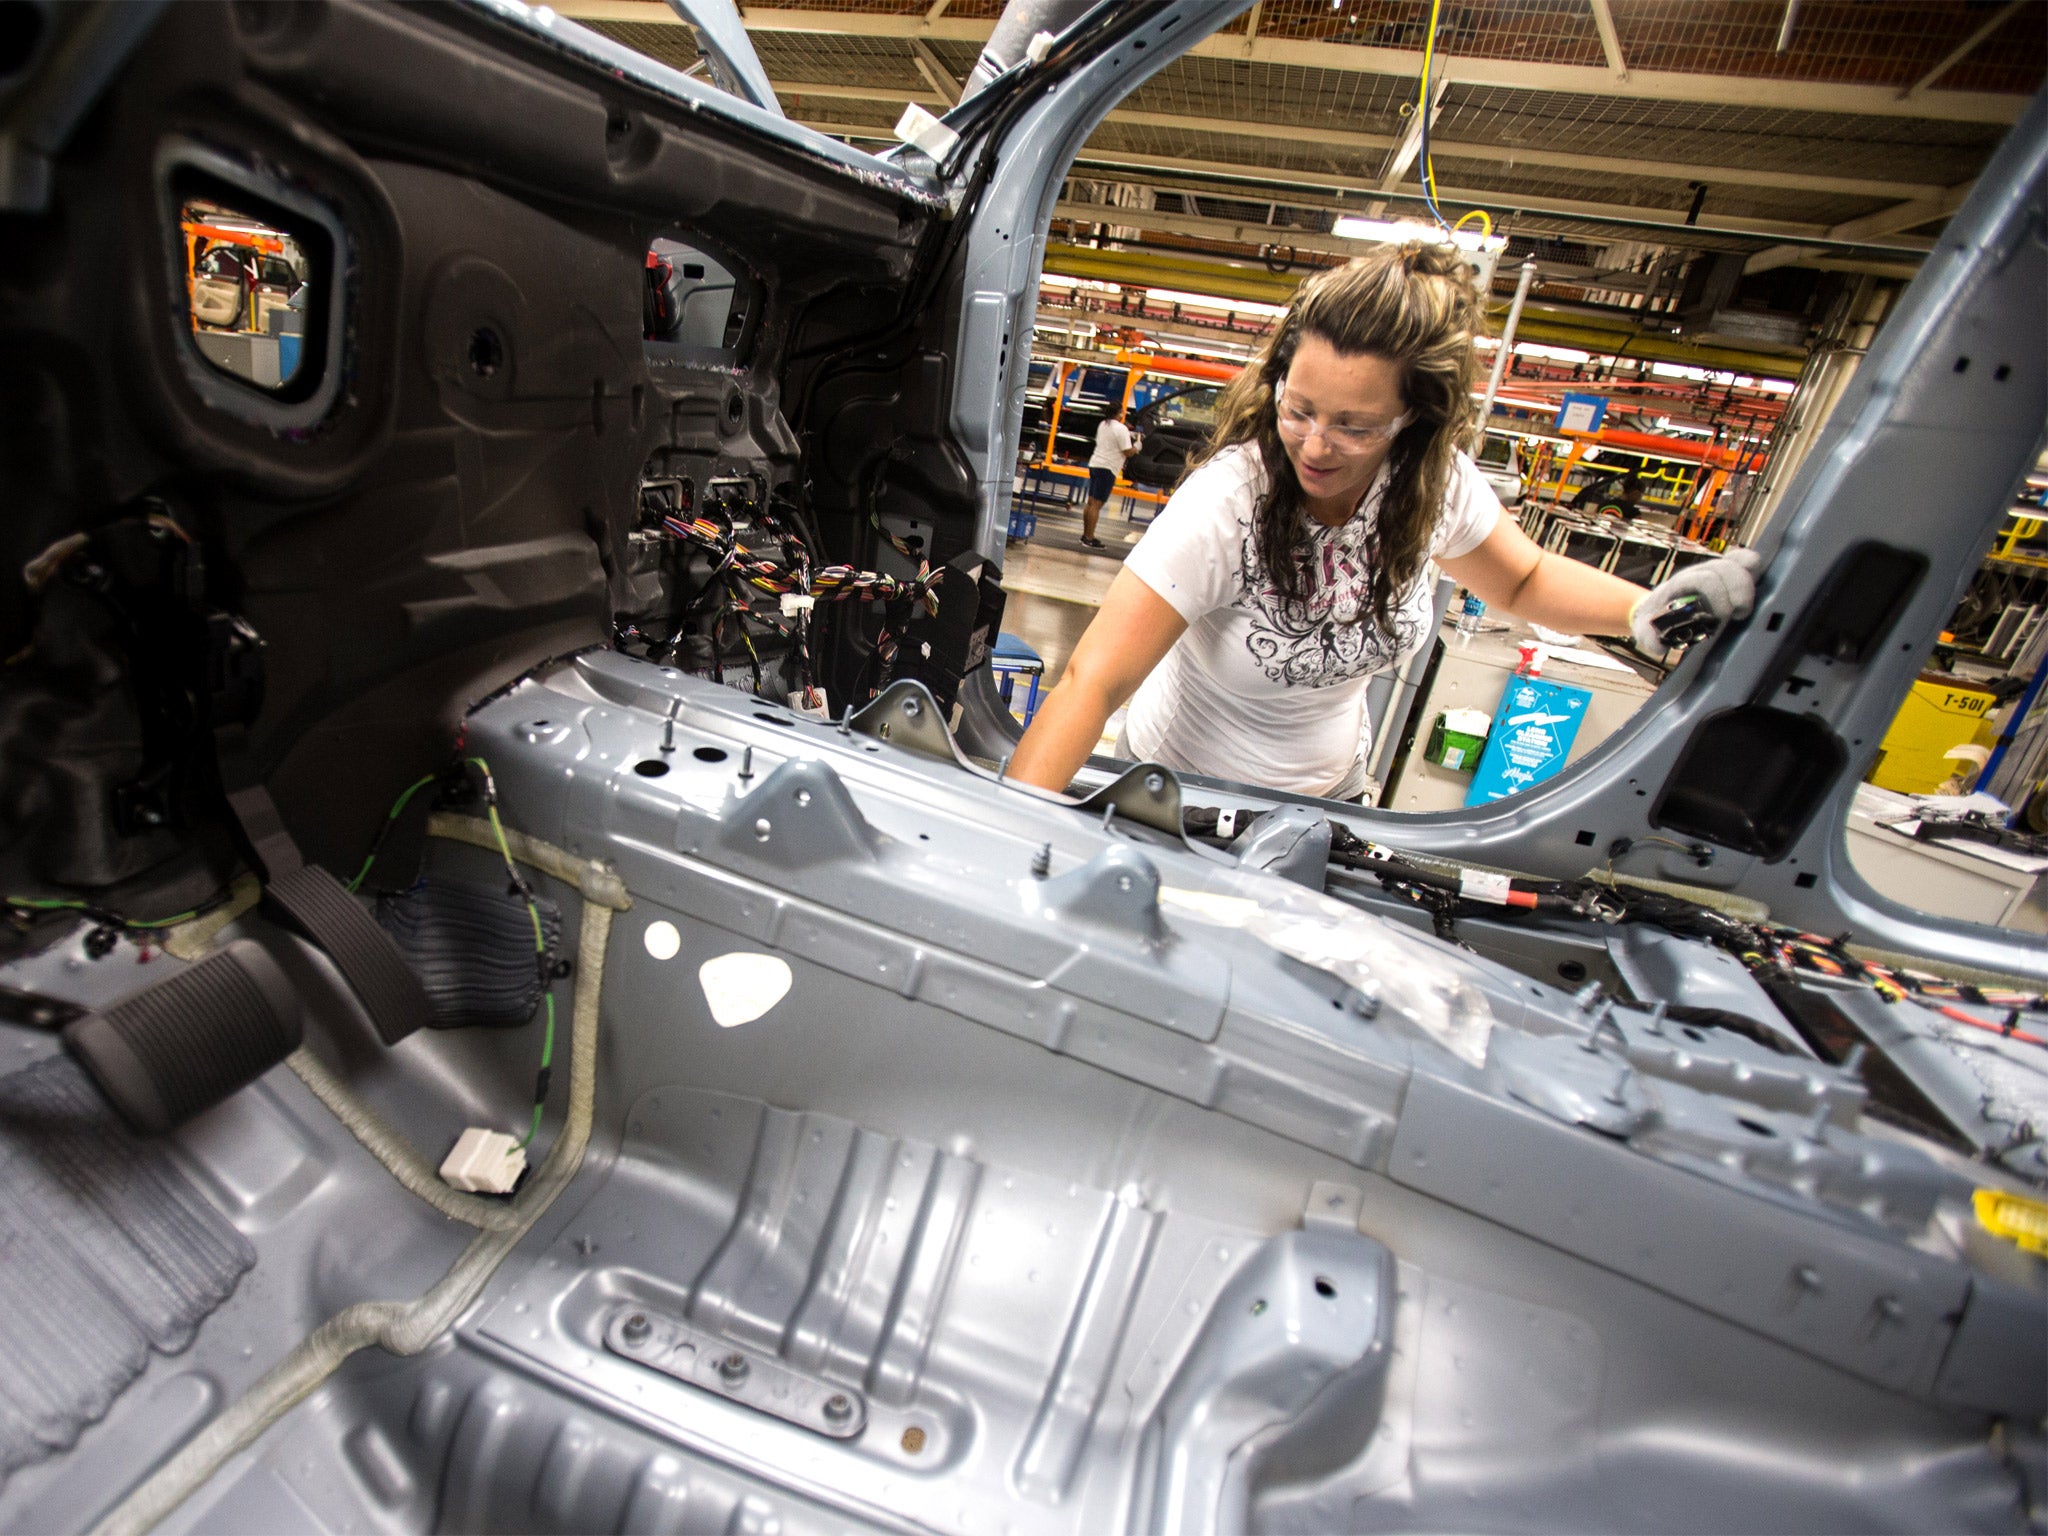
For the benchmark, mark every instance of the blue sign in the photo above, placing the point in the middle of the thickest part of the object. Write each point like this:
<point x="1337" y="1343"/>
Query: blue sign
<point x="1534" y="727"/>
<point x="1581" y="413"/>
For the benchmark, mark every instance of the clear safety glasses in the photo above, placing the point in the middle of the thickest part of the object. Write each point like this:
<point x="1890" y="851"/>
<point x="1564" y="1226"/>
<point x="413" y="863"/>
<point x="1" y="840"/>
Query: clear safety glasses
<point x="1350" y="438"/>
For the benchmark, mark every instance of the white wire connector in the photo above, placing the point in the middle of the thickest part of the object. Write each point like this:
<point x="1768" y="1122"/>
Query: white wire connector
<point x="485" y="1162"/>
<point x="1039" y="46"/>
<point x="794" y="603"/>
<point x="919" y="128"/>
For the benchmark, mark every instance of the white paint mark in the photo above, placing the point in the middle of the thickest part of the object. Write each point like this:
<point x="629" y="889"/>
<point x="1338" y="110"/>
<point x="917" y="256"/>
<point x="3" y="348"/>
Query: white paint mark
<point x="740" y="987"/>
<point x="662" y="940"/>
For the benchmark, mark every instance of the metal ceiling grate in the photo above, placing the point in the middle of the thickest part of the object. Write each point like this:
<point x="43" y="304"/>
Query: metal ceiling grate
<point x="675" y="46"/>
<point x="1862" y="42"/>
<point x="1867" y="42"/>
<point x="1276" y="93"/>
<point x="1703" y="133"/>
<point x="1657" y="147"/>
<point x="1179" y="144"/>
<point x="884" y="63"/>
<point x="1659" y="197"/>
<point x="821" y="110"/>
<point x="1538" y="31"/>
<point x="2010" y="59"/>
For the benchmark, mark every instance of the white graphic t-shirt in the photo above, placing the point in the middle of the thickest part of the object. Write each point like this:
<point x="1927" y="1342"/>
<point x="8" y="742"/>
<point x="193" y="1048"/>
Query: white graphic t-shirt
<point x="1261" y="691"/>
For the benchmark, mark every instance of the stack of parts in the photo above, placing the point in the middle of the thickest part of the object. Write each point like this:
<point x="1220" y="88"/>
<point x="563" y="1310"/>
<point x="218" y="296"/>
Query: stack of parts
<point x="110" y="1253"/>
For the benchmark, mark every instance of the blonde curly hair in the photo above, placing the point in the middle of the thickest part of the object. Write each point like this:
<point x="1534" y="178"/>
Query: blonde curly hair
<point x="1415" y="306"/>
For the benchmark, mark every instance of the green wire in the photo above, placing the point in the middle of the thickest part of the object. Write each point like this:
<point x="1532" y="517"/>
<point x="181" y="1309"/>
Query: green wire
<point x="540" y="947"/>
<point x="397" y="808"/>
<point x="547" y="1060"/>
<point x="51" y="904"/>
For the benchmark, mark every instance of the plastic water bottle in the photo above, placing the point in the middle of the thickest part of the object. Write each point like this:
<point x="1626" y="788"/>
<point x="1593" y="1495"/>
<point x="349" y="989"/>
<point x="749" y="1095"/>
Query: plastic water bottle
<point x="1470" y="615"/>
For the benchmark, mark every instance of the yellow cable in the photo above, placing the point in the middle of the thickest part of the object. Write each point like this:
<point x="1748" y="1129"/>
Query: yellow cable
<point x="1422" y="106"/>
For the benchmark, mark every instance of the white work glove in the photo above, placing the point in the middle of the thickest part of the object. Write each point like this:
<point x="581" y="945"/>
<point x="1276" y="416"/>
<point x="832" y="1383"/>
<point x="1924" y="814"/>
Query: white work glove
<point x="1695" y="602"/>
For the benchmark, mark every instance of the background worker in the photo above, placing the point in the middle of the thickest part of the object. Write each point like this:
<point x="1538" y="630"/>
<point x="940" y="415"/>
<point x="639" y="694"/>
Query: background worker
<point x="1292" y="564"/>
<point x="1114" y="443"/>
<point x="1617" y="496"/>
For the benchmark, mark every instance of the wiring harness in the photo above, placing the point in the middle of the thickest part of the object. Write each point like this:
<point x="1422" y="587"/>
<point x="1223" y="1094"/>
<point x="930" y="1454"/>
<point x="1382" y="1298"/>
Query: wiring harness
<point x="779" y="566"/>
<point x="1452" y="892"/>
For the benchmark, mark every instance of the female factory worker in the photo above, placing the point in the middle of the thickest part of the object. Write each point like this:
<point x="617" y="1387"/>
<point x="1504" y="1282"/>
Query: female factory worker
<point x="1289" y="567"/>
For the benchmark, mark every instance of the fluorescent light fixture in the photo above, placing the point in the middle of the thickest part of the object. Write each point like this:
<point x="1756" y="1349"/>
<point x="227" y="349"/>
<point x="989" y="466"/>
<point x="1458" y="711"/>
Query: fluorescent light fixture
<point x="1538" y="350"/>
<point x="1200" y="349"/>
<point x="1210" y="301"/>
<point x="1400" y="231"/>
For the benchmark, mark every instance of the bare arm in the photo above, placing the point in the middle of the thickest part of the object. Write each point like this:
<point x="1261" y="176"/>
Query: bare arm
<point x="1128" y="636"/>
<point x="1509" y="571"/>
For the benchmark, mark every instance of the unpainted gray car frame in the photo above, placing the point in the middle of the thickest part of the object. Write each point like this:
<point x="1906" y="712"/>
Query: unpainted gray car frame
<point x="1084" y="1176"/>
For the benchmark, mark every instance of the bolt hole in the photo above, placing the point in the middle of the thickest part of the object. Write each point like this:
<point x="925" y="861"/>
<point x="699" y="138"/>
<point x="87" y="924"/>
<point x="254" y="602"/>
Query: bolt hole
<point x="1754" y="1127"/>
<point x="1571" y="970"/>
<point x="1962" y="365"/>
<point x="1324" y="1288"/>
<point x="616" y="126"/>
<point x="709" y="754"/>
<point x="486" y="352"/>
<point x="650" y="768"/>
<point x="1690" y="1033"/>
<point x="735" y="409"/>
<point x="2002" y="372"/>
<point x="1584" y="839"/>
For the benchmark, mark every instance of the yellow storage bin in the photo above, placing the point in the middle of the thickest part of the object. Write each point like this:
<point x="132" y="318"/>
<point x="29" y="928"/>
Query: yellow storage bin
<point x="1938" y="714"/>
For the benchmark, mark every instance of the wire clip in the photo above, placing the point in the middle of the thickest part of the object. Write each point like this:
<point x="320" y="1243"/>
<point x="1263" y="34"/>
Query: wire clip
<point x="918" y="127"/>
<point x="485" y="1162"/>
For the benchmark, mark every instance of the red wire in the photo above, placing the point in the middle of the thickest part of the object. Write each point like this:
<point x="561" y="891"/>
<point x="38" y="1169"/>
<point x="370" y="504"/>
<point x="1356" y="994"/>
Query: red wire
<point x="1997" y="1029"/>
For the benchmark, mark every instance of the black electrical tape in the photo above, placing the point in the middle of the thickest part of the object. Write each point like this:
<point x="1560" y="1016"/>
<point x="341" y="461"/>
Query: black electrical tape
<point x="316" y="903"/>
<point x="164" y="1055"/>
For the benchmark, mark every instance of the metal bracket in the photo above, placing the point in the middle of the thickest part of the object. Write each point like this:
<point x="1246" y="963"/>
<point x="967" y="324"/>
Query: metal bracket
<point x="1147" y="794"/>
<point x="906" y="714"/>
<point x="1573" y="1081"/>
<point x="757" y="1381"/>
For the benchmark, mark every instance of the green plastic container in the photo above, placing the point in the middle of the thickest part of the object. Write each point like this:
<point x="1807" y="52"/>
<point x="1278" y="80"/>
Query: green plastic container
<point x="1457" y="736"/>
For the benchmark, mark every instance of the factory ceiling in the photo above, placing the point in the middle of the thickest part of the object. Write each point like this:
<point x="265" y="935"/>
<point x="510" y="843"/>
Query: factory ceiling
<point x="1830" y="134"/>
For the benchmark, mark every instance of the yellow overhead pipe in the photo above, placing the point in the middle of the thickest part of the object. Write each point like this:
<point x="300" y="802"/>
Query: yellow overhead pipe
<point x="1589" y="333"/>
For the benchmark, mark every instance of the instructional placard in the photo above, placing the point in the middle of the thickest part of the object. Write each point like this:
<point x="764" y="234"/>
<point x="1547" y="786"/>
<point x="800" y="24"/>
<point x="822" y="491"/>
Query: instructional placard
<point x="1581" y="413"/>
<point x="1533" y="731"/>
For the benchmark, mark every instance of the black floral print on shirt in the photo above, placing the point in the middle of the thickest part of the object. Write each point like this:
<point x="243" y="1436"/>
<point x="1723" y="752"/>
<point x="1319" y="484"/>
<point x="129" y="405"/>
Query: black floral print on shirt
<point x="1321" y="640"/>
